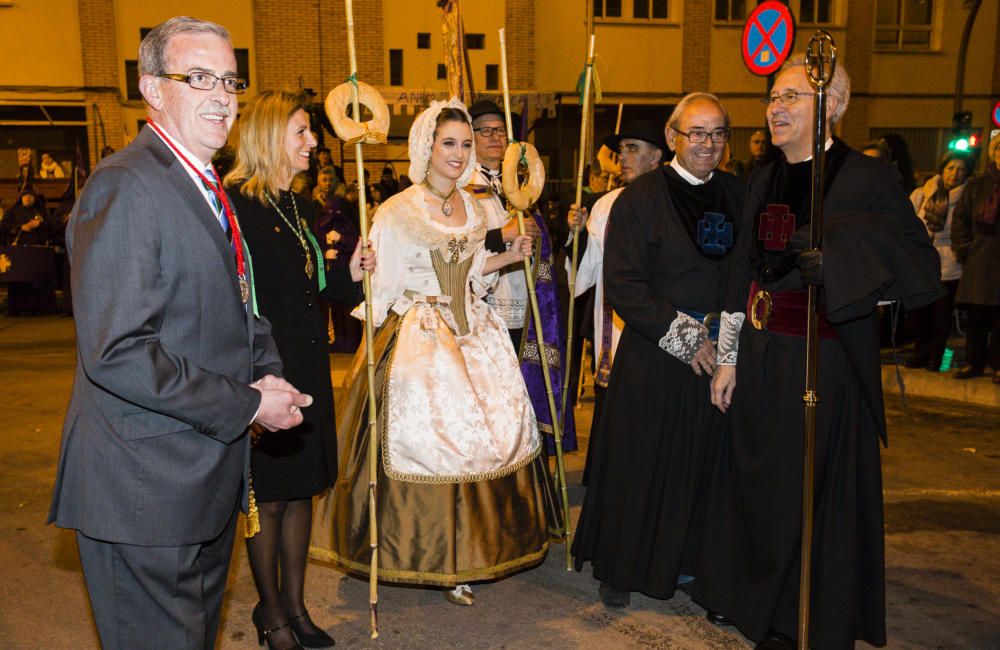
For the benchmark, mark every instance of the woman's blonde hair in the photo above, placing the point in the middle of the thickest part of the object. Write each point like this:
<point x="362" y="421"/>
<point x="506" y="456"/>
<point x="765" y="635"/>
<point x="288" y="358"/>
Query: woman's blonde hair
<point x="261" y="161"/>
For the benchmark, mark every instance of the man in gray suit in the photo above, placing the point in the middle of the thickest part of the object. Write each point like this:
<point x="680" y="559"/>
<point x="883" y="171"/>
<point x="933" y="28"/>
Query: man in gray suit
<point x="173" y="365"/>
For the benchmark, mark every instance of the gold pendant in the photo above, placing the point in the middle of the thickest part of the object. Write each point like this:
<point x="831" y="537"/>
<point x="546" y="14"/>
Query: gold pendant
<point x="446" y="209"/>
<point x="310" y="267"/>
<point x="244" y="290"/>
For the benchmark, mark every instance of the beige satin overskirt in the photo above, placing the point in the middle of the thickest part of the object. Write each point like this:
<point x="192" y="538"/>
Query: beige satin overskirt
<point x="432" y="534"/>
<point x="454" y="408"/>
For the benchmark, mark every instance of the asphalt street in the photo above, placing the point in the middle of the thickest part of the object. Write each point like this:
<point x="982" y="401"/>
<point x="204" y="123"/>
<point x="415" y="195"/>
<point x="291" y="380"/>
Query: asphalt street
<point x="942" y="494"/>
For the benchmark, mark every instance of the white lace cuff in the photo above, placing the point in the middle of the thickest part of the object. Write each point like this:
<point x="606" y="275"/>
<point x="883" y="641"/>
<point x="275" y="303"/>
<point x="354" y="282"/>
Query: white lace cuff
<point x="729" y="337"/>
<point x="684" y="338"/>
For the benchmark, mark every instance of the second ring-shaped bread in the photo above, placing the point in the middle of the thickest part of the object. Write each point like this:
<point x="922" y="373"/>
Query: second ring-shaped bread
<point x="522" y="196"/>
<point x="350" y="130"/>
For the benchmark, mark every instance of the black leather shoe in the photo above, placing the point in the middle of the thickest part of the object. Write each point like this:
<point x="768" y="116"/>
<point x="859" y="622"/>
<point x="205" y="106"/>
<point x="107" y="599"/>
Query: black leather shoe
<point x="316" y="639"/>
<point x="264" y="634"/>
<point x="933" y="367"/>
<point x="613" y="598"/>
<point x="715" y="618"/>
<point x="776" y="641"/>
<point x="915" y="362"/>
<point x="969" y="372"/>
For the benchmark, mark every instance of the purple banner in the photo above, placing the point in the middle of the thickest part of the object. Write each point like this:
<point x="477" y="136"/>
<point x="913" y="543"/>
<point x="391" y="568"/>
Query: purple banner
<point x="553" y="332"/>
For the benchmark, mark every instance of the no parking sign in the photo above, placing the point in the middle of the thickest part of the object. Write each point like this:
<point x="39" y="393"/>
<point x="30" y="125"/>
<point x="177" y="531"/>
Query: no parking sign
<point x="767" y="37"/>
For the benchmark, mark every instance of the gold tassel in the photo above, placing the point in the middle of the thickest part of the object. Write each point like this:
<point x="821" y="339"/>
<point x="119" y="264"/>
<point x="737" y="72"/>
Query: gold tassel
<point x="252" y="523"/>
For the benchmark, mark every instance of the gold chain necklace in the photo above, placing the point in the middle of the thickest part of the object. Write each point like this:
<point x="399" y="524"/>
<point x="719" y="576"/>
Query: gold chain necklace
<point x="446" y="208"/>
<point x="298" y="230"/>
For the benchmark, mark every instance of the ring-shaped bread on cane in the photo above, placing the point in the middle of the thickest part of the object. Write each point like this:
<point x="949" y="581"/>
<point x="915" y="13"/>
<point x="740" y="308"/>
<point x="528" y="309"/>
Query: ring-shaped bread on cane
<point x="522" y="196"/>
<point x="349" y="129"/>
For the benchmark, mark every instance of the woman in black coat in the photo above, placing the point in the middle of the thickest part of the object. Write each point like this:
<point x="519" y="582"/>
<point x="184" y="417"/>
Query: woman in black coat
<point x="27" y="224"/>
<point x="288" y="468"/>
<point x="976" y="243"/>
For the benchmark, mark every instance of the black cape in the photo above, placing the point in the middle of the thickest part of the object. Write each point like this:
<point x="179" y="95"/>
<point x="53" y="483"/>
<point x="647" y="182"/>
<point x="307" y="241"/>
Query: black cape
<point x="874" y="248"/>
<point x="658" y="432"/>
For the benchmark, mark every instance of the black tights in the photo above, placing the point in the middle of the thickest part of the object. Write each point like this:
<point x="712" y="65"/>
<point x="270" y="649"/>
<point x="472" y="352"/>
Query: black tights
<point x="278" y="562"/>
<point x="982" y="337"/>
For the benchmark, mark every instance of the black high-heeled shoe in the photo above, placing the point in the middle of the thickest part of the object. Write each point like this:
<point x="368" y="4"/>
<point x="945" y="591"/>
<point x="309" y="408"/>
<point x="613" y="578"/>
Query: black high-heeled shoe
<point x="317" y="639"/>
<point x="264" y="634"/>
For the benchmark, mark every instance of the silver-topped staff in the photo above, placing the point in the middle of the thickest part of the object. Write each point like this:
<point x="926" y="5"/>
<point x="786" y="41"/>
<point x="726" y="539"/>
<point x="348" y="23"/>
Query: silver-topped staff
<point x="821" y="62"/>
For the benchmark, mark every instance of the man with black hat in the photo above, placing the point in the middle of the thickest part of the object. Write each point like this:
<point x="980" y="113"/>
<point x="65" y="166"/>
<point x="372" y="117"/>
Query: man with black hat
<point x="641" y="148"/>
<point x="668" y="238"/>
<point x="510" y="295"/>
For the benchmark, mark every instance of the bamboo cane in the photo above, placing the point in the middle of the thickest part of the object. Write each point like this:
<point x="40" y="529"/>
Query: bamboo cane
<point x="539" y="335"/>
<point x="369" y="342"/>
<point x="584" y="125"/>
<point x="816" y="71"/>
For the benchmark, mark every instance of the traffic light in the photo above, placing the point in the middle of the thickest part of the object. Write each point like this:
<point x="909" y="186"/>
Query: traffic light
<point x="965" y="142"/>
<point x="963" y="136"/>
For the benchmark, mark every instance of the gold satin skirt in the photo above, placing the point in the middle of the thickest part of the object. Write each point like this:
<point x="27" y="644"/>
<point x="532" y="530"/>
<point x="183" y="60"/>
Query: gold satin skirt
<point x="440" y="534"/>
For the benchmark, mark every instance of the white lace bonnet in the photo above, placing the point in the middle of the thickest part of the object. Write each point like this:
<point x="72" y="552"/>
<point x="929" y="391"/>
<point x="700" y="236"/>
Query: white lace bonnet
<point x="422" y="140"/>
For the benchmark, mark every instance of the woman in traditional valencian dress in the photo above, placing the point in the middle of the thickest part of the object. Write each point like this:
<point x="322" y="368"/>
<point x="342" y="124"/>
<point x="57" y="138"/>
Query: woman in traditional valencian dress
<point x="463" y="494"/>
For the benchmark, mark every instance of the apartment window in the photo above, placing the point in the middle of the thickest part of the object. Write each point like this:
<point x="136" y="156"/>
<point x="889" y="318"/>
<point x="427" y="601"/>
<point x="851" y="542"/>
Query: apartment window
<point x="395" y="67"/>
<point x="442" y="71"/>
<point x="242" y="62"/>
<point x="423" y="40"/>
<point x="904" y="24"/>
<point x="631" y="11"/>
<point x="815" y="12"/>
<point x="132" y="80"/>
<point x="607" y="8"/>
<point x="492" y="76"/>
<point x="646" y="9"/>
<point x="475" y="41"/>
<point x="731" y="11"/>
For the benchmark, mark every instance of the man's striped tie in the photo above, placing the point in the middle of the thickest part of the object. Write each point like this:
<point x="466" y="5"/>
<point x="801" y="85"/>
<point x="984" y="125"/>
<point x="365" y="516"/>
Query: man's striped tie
<point x="220" y="213"/>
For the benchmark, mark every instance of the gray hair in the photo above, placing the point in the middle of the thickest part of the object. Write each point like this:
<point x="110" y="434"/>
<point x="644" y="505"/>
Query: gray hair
<point x="674" y="121"/>
<point x="840" y="85"/>
<point x="153" y="49"/>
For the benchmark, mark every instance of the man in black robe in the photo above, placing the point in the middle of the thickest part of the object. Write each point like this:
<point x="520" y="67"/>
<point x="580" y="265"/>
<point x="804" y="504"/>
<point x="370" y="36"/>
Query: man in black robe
<point x="874" y="248"/>
<point x="642" y="148"/>
<point x="666" y="250"/>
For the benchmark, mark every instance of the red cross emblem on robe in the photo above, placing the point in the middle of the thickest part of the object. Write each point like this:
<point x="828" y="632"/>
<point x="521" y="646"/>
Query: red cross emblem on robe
<point x="776" y="226"/>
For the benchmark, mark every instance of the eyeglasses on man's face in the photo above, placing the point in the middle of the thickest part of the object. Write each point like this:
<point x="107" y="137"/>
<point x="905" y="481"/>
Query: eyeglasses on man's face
<point x="697" y="136"/>
<point x="786" y="98"/>
<point x="206" y="81"/>
<point x="490" y="131"/>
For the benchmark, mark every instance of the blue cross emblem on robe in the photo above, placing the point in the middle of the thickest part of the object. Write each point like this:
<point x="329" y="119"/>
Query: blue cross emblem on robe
<point x="715" y="235"/>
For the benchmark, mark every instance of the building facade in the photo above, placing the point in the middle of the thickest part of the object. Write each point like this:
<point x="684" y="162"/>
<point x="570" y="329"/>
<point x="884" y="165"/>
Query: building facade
<point x="70" y="76"/>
